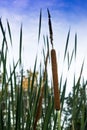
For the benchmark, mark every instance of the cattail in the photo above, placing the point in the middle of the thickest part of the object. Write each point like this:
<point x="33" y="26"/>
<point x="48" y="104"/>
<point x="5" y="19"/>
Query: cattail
<point x="39" y="108"/>
<point x="55" y="80"/>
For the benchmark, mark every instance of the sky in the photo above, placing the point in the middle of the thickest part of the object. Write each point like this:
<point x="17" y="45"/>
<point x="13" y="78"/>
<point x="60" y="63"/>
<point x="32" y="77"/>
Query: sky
<point x="65" y="15"/>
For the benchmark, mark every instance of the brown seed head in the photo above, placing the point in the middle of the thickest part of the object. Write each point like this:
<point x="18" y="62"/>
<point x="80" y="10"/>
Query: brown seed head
<point x="55" y="80"/>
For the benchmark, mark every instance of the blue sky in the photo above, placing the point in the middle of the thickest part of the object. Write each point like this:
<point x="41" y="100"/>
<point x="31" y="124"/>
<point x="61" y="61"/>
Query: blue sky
<point x="67" y="6"/>
<point x="65" y="14"/>
<point x="77" y="8"/>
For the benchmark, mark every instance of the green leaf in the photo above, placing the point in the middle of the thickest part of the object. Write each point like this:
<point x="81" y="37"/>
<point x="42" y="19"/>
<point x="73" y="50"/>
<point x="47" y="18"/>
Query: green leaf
<point x="47" y="115"/>
<point x="75" y="44"/>
<point x="47" y="45"/>
<point x="20" y="45"/>
<point x="3" y="32"/>
<point x="44" y="41"/>
<point x="9" y="31"/>
<point x="66" y="47"/>
<point x="13" y="71"/>
<point x="1" y="118"/>
<point x="40" y="18"/>
<point x="55" y="121"/>
<point x="70" y="60"/>
<point x="9" y="118"/>
<point x="63" y="94"/>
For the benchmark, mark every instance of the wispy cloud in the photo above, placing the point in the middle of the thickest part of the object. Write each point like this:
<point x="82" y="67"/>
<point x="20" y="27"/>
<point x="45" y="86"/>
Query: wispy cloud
<point x="21" y="3"/>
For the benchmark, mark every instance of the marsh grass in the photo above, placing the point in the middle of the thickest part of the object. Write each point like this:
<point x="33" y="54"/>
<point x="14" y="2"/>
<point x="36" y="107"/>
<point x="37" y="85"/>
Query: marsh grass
<point x="34" y="109"/>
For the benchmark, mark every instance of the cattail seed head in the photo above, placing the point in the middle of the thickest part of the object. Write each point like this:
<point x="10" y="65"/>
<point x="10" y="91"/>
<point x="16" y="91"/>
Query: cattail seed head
<point x="39" y="108"/>
<point x="55" y="80"/>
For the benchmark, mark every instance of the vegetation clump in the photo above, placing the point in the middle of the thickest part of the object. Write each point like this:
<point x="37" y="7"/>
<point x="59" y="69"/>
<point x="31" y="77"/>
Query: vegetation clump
<point x="28" y="102"/>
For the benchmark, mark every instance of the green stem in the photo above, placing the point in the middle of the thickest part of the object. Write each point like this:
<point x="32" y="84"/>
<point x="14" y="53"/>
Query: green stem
<point x="59" y="120"/>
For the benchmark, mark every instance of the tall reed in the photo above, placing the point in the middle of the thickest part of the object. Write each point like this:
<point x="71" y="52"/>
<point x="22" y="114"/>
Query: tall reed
<point x="54" y="72"/>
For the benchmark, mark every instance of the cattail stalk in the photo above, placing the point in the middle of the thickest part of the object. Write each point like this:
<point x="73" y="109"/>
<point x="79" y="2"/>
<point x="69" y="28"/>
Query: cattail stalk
<point x="55" y="80"/>
<point x="50" y="28"/>
<point x="39" y="107"/>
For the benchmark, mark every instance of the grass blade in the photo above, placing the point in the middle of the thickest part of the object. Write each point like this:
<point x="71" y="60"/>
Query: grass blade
<point x="3" y="32"/>
<point x="20" y="46"/>
<point x="40" y="18"/>
<point x="63" y="95"/>
<point x="75" y="44"/>
<point x="9" y="31"/>
<point x="48" y="114"/>
<point x="13" y="71"/>
<point x="70" y="60"/>
<point x="66" y="47"/>
<point x="9" y="118"/>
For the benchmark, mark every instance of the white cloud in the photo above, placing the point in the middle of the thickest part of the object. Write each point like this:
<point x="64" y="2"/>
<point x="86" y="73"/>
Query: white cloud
<point x="20" y="3"/>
